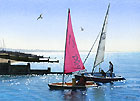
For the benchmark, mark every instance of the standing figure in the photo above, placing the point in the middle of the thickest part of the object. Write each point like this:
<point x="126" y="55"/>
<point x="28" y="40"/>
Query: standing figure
<point x="110" y="68"/>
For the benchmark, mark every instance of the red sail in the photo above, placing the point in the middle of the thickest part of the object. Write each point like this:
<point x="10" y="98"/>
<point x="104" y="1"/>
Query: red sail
<point x="72" y="61"/>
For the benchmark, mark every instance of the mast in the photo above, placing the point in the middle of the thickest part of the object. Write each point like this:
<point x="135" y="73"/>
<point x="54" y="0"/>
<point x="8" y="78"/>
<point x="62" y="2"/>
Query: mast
<point x="3" y="45"/>
<point x="101" y="47"/>
<point x="65" y="47"/>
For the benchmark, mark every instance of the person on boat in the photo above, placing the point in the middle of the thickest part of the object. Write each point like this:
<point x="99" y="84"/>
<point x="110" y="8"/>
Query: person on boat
<point x="82" y="80"/>
<point x="110" y="68"/>
<point x="103" y="73"/>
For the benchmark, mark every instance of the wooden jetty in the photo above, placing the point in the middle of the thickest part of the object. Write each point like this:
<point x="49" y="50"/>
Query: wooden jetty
<point x="19" y="56"/>
<point x="8" y="69"/>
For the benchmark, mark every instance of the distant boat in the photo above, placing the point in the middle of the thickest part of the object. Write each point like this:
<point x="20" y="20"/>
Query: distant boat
<point x="72" y="61"/>
<point x="98" y="76"/>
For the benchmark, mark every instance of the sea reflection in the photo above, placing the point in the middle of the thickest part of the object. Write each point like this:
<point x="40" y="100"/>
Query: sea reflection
<point x="75" y="95"/>
<point x="90" y="94"/>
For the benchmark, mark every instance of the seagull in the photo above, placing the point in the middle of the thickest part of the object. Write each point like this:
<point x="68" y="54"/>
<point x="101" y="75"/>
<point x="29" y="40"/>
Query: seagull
<point x="82" y="29"/>
<point x="40" y="17"/>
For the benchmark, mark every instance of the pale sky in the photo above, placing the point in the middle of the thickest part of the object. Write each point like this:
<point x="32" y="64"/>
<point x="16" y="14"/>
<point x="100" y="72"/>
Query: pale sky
<point x="20" y="29"/>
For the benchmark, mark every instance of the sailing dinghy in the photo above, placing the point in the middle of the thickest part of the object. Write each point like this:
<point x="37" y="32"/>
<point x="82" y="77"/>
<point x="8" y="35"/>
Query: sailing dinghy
<point x="98" y="76"/>
<point x="72" y="61"/>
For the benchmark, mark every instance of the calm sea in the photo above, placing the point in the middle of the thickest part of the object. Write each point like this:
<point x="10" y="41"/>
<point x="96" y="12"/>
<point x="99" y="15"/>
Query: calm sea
<point x="35" y="87"/>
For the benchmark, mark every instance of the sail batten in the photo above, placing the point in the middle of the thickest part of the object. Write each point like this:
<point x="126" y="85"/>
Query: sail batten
<point x="99" y="58"/>
<point x="72" y="60"/>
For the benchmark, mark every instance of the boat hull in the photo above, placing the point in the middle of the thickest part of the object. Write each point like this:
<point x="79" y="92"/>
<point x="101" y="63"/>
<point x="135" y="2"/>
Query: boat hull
<point x="70" y="86"/>
<point x="101" y="79"/>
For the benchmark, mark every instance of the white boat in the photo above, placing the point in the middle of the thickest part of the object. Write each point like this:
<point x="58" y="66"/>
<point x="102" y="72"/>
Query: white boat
<point x="99" y="58"/>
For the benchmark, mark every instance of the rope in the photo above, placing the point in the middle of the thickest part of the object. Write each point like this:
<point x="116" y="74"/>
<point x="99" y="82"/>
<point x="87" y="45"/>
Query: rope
<point x="91" y="48"/>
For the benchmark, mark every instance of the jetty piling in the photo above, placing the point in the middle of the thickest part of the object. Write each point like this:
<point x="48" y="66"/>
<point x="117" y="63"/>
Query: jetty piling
<point x="6" y="68"/>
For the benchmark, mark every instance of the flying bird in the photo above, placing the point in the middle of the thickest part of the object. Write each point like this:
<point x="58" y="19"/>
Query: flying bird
<point x="40" y="17"/>
<point x="82" y="29"/>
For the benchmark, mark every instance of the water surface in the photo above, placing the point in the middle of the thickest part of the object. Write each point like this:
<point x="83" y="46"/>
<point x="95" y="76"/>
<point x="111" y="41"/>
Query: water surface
<point x="35" y="87"/>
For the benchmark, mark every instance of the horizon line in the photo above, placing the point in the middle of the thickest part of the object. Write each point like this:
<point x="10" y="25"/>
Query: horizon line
<point x="54" y="50"/>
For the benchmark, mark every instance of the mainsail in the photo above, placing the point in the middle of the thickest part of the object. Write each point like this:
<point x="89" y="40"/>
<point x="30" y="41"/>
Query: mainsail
<point x="72" y="60"/>
<point x="101" y="46"/>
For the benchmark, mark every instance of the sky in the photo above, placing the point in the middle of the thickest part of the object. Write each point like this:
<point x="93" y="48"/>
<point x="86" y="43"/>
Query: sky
<point x="20" y="29"/>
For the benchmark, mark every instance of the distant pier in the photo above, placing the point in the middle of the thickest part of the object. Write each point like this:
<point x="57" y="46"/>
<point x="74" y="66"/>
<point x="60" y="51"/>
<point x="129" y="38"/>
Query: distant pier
<point x="19" y="56"/>
<point x="8" y="69"/>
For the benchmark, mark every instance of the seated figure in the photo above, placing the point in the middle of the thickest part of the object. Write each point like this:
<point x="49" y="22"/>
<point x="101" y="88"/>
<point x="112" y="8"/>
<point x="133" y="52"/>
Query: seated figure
<point x="82" y="80"/>
<point x="103" y="73"/>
